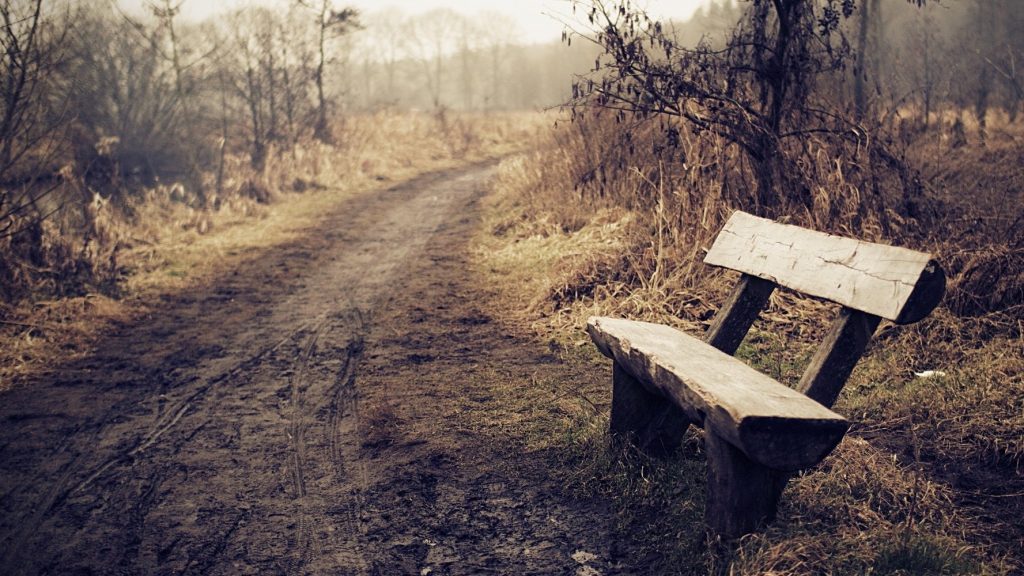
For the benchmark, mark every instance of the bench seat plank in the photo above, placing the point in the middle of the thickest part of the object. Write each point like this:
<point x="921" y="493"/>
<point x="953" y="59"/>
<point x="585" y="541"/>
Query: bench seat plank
<point x="772" y="424"/>
<point x="895" y="283"/>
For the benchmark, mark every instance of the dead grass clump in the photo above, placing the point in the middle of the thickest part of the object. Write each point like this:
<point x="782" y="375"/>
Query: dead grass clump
<point x="40" y="259"/>
<point x="958" y="403"/>
<point x="679" y="190"/>
<point x="584" y="280"/>
<point x="862" y="512"/>
<point x="991" y="280"/>
<point x="255" y="191"/>
<point x="36" y="336"/>
<point x="981" y="186"/>
<point x="379" y="426"/>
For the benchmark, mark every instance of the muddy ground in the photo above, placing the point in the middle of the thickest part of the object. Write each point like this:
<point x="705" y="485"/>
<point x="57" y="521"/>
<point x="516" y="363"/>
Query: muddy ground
<point x="305" y="413"/>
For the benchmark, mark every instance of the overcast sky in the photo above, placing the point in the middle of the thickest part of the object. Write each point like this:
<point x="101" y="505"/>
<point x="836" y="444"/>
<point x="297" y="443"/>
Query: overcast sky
<point x="539" y="20"/>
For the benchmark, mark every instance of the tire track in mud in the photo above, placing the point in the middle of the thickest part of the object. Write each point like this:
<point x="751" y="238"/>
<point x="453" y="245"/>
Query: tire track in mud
<point x="344" y="408"/>
<point x="170" y="418"/>
<point x="340" y="427"/>
<point x="343" y="428"/>
<point x="304" y="540"/>
<point x="137" y="519"/>
<point x="61" y="490"/>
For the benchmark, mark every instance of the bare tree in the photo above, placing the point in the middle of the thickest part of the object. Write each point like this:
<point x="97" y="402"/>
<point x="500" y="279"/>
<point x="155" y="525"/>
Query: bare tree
<point x="33" y="49"/>
<point x="433" y="38"/>
<point x="927" y="47"/>
<point x="330" y="24"/>
<point x="756" y="92"/>
<point x="760" y="91"/>
<point x="247" y="75"/>
<point x="468" y="40"/>
<point x="389" y="44"/>
<point x="498" y="36"/>
<point x="125" y="93"/>
<point x="1004" y="48"/>
<point x="184" y="58"/>
<point x="866" y="63"/>
<point x="296" y="52"/>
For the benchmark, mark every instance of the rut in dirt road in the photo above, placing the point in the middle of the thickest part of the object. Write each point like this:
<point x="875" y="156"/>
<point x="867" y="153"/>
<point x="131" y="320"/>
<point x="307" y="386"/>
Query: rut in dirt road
<point x="299" y="415"/>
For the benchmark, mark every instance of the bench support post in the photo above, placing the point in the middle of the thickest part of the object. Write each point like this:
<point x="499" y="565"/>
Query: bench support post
<point x="832" y="364"/>
<point x="739" y="312"/>
<point x="652" y="423"/>
<point x="742" y="495"/>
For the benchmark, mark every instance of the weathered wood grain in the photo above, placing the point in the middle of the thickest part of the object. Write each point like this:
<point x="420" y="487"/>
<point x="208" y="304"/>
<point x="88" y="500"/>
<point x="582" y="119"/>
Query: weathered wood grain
<point x="738" y="313"/>
<point x="895" y="283"/>
<point x="773" y="425"/>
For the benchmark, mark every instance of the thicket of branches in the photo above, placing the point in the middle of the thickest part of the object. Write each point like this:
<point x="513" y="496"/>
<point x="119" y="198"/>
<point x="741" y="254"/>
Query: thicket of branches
<point x="792" y="81"/>
<point x="890" y="121"/>
<point x="97" y="105"/>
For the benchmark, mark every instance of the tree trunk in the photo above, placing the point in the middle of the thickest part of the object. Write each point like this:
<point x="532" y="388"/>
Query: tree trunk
<point x="321" y="131"/>
<point x="860" y="97"/>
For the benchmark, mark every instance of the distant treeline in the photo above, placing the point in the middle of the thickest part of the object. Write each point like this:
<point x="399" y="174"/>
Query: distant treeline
<point x="115" y="96"/>
<point x="442" y="58"/>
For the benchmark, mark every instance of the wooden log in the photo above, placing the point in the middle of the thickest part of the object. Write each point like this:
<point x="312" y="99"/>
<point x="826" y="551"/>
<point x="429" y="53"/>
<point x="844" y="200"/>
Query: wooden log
<point x="742" y="495"/>
<point x="773" y="425"/>
<point x="895" y="283"/>
<point x="927" y="294"/>
<point x="739" y="312"/>
<point x="651" y="422"/>
<point x="835" y="359"/>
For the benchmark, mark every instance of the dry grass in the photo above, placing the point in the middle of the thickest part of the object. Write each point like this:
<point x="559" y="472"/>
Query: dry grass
<point x="862" y="511"/>
<point x="930" y="480"/>
<point x="164" y="241"/>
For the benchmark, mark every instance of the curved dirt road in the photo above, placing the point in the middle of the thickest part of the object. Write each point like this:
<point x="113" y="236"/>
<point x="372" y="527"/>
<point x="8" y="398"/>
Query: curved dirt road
<point x="299" y="415"/>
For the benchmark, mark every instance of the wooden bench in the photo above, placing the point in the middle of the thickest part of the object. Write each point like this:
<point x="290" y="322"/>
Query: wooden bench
<point x="757" y="431"/>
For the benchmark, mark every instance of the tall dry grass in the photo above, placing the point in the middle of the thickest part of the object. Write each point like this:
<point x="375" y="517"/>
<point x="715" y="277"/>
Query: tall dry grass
<point x="669" y="198"/>
<point x="930" y="479"/>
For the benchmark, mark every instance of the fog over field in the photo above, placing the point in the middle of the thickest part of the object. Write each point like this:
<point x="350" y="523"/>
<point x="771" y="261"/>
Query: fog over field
<point x="535" y="21"/>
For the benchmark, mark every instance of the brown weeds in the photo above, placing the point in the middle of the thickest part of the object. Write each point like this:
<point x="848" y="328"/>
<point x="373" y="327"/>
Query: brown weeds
<point x="604" y="219"/>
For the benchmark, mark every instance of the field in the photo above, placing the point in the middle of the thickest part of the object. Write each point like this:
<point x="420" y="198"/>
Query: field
<point x="930" y="479"/>
<point x="298" y="288"/>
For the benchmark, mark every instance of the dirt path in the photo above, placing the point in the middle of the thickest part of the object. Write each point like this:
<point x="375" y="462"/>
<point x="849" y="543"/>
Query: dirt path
<point x="300" y="415"/>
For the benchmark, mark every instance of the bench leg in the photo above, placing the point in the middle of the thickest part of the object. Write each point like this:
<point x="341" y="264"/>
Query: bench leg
<point x="653" y="424"/>
<point x="742" y="495"/>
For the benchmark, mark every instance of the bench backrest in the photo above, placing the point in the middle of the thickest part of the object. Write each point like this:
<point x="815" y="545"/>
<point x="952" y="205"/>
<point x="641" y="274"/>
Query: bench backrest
<point x="871" y="282"/>
<point x="894" y="283"/>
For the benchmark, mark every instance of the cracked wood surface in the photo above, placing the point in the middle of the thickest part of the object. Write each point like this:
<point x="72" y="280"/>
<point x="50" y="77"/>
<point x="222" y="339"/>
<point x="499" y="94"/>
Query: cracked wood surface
<point x="772" y="424"/>
<point x="895" y="283"/>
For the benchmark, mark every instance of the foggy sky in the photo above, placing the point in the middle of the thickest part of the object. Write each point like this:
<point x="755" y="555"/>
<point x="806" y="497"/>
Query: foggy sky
<point x="538" y="20"/>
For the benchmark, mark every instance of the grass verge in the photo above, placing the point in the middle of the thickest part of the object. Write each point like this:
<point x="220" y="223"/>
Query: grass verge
<point x="929" y="481"/>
